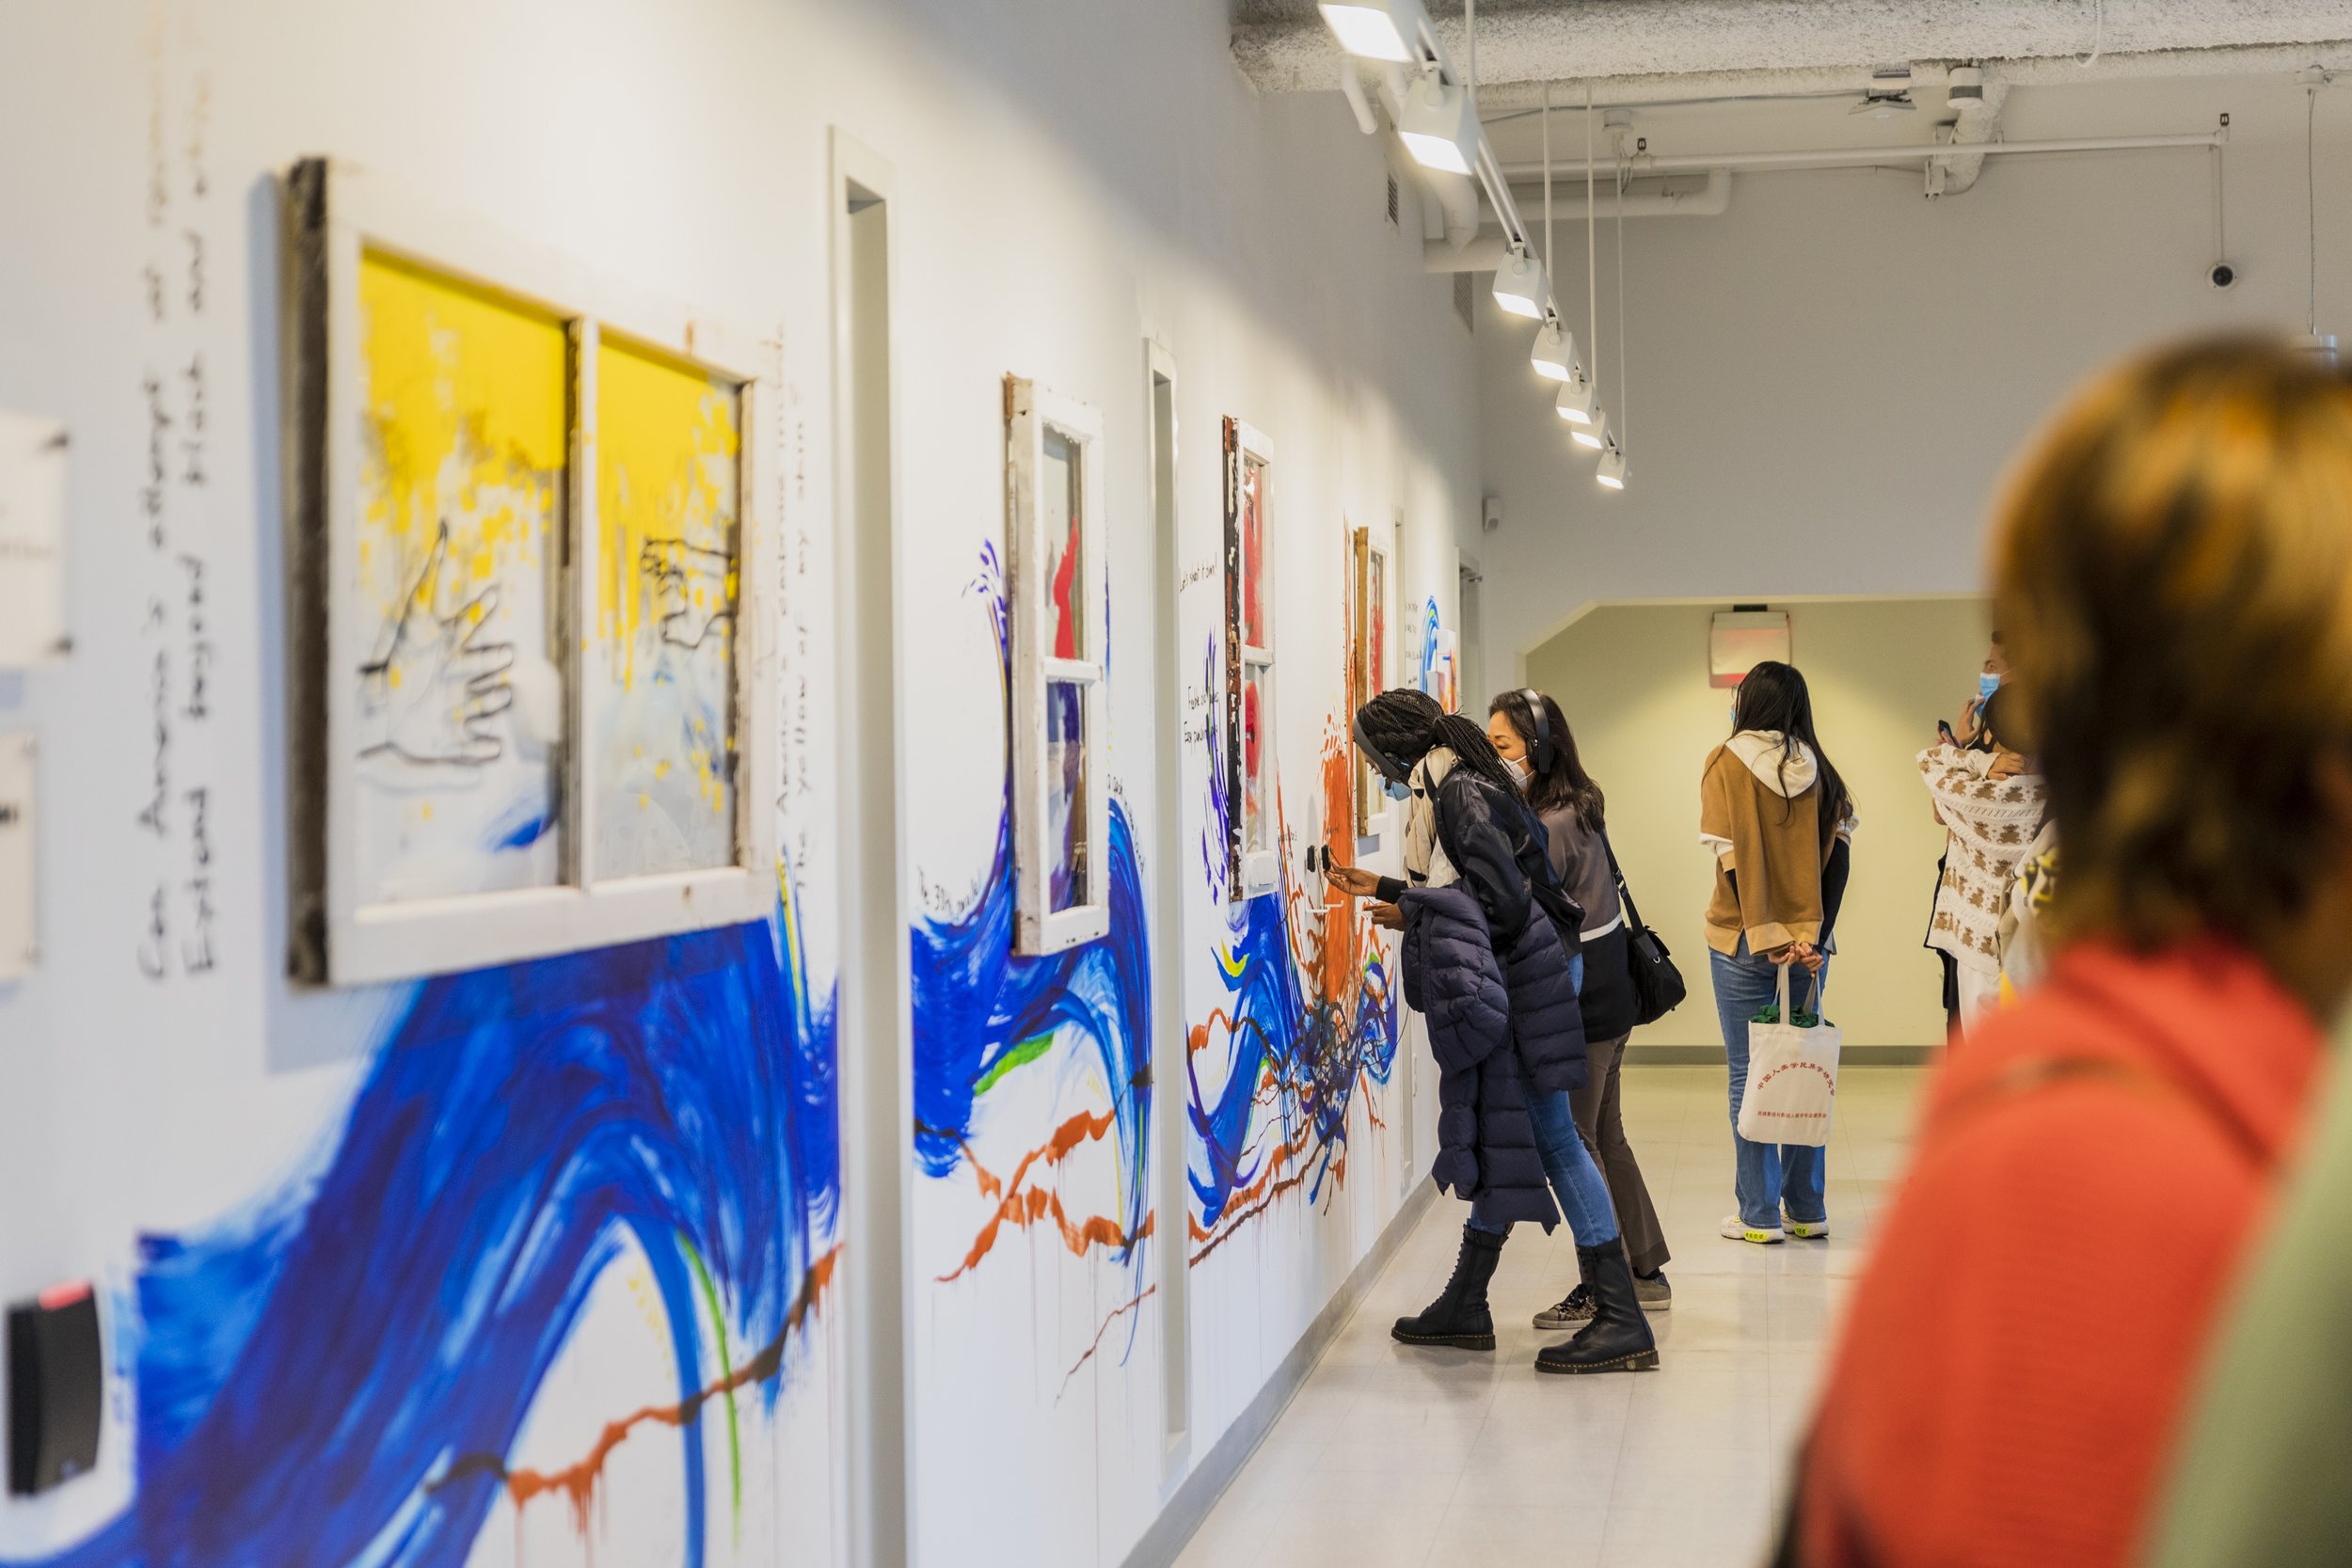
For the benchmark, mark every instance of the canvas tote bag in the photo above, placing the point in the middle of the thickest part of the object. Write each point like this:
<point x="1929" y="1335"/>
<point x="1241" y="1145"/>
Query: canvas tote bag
<point x="1792" y="1075"/>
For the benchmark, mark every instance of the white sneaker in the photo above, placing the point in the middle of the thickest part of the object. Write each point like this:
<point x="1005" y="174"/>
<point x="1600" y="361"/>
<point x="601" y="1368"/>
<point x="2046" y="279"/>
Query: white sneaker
<point x="1737" y="1229"/>
<point x="1808" y="1230"/>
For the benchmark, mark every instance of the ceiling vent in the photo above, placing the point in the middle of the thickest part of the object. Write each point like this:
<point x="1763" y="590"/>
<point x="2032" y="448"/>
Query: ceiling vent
<point x="1394" y="221"/>
<point x="1463" y="296"/>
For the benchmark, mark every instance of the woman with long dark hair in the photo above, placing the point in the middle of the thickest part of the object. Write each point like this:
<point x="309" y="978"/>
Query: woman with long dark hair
<point x="1489" y="945"/>
<point x="1532" y="738"/>
<point x="1778" y="820"/>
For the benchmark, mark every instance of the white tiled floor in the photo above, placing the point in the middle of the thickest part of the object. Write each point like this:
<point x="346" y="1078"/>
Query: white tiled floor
<point x="1394" y="1456"/>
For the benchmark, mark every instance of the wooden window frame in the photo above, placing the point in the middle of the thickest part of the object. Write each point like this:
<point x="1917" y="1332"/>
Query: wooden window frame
<point x="336" y="215"/>
<point x="1251" y="871"/>
<point x="1031" y="412"/>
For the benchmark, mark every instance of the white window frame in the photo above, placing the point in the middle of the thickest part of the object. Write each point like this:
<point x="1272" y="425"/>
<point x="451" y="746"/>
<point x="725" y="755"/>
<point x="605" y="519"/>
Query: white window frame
<point x="1031" y="412"/>
<point x="1370" y="545"/>
<point x="1253" y="871"/>
<point x="337" y="213"/>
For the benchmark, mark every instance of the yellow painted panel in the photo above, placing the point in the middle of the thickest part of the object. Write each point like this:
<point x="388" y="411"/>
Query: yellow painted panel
<point x="464" y="416"/>
<point x="669" y="448"/>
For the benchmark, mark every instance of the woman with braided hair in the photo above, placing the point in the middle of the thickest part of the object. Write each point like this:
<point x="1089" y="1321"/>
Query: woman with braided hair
<point x="1490" y="960"/>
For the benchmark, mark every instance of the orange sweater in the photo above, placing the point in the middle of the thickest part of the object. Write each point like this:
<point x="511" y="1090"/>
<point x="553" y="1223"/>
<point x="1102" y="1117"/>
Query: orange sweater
<point x="2043" y="1288"/>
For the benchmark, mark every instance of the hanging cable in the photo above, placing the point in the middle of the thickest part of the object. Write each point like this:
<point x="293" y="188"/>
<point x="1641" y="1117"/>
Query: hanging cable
<point x="2097" y="34"/>
<point x="2220" y="209"/>
<point x="2310" y="216"/>
<point x="1592" y="220"/>
<point x="1549" y="275"/>
<point x="1624" y="418"/>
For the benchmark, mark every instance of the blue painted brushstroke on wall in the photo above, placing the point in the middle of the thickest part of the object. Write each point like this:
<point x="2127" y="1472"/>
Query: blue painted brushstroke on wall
<point x="1316" y="1050"/>
<point x="337" y="1373"/>
<point x="976" y="1000"/>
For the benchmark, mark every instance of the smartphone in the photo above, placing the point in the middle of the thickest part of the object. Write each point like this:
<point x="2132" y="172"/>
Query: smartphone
<point x="1944" y="728"/>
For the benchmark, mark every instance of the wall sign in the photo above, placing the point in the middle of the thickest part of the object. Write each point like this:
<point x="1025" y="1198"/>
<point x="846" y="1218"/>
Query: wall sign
<point x="32" y="540"/>
<point x="18" y="944"/>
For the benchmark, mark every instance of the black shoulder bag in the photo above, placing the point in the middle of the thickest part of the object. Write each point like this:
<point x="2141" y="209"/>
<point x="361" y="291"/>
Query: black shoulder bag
<point x="1658" y="986"/>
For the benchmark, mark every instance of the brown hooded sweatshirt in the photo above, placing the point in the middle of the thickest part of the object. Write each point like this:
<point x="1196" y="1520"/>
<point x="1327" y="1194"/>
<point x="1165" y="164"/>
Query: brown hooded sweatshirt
<point x="1758" y="812"/>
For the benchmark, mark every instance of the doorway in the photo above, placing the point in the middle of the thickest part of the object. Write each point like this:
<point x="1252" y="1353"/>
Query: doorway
<point x="876" y="1028"/>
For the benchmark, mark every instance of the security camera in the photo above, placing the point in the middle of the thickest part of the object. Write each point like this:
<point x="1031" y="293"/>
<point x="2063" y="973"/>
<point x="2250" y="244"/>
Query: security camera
<point x="2222" y="274"/>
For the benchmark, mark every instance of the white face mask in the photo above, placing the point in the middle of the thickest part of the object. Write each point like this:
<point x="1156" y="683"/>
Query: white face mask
<point x="1518" y="769"/>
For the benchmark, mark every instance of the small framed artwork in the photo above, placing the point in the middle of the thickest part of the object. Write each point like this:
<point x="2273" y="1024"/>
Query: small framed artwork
<point x="1369" y="663"/>
<point x="1059" y="605"/>
<point x="1254" y="834"/>
<point x="531" y="711"/>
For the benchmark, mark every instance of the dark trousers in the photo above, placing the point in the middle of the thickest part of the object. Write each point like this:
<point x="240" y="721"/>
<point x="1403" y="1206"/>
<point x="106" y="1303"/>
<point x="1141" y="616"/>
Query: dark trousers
<point x="1598" y="1118"/>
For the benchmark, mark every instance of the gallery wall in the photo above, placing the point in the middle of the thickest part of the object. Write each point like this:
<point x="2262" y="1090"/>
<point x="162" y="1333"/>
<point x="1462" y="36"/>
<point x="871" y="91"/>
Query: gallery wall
<point x="1828" y="379"/>
<point x="1632" y="681"/>
<point x="612" y="1324"/>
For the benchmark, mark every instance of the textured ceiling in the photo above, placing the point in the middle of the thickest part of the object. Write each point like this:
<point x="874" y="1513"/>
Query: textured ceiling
<point x="1761" y="45"/>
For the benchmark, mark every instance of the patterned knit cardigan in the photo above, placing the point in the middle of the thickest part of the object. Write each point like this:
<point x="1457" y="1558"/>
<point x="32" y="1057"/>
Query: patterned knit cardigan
<point x="1991" y="825"/>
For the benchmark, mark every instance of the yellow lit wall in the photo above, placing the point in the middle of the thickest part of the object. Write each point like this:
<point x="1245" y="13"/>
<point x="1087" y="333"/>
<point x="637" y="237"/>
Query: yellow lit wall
<point x="1632" y="681"/>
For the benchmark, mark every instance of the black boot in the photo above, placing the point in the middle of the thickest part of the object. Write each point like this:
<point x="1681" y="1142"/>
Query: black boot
<point x="1618" y="1339"/>
<point x="1459" y="1316"/>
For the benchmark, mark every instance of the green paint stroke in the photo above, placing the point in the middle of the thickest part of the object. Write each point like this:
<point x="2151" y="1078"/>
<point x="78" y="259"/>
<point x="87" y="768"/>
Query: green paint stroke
<point x="1020" y="1055"/>
<point x="726" y="1374"/>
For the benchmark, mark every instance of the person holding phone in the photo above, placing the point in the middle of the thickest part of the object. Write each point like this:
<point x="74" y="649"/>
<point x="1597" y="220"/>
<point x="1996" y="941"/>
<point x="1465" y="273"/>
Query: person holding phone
<point x="1992" y="806"/>
<point x="1489" y="939"/>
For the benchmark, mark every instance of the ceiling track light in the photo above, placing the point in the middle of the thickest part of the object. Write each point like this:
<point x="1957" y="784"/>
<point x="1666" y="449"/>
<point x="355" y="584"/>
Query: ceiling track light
<point x="1438" y="127"/>
<point x="1554" y="354"/>
<point x="1375" y="29"/>
<point x="1520" y="285"/>
<point x="1612" y="472"/>
<point x="1594" y="434"/>
<point x="1580" y="401"/>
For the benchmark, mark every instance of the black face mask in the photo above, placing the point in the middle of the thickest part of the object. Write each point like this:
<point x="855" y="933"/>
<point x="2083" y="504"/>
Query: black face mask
<point x="1398" y="776"/>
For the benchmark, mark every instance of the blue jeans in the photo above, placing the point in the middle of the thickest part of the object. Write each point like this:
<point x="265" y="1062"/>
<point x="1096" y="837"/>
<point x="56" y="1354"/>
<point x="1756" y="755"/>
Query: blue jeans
<point x="1576" y="1179"/>
<point x="1766" y="1176"/>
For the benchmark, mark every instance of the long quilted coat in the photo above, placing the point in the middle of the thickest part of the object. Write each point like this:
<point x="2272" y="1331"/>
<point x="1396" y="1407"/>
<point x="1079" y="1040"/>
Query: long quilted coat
<point x="1497" y="1025"/>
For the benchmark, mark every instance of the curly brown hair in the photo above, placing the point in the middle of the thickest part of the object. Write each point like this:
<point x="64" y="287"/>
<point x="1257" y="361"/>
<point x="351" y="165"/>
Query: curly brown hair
<point x="2173" y="569"/>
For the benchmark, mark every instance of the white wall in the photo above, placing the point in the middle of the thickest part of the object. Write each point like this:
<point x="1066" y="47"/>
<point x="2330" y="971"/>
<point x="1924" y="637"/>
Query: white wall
<point x="1828" y="378"/>
<point x="1071" y="180"/>
<point x="1632" y="681"/>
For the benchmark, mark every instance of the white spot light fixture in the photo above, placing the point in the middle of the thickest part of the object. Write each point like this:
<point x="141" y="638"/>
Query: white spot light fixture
<point x="1520" y="285"/>
<point x="1613" y="473"/>
<point x="1374" y="29"/>
<point x="1554" y="354"/>
<point x="1438" y="127"/>
<point x="1594" y="433"/>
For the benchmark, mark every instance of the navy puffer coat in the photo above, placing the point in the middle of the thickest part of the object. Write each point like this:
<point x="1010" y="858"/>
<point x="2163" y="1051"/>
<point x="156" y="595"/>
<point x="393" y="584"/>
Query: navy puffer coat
<point x="1486" y="1143"/>
<point x="1486" y="962"/>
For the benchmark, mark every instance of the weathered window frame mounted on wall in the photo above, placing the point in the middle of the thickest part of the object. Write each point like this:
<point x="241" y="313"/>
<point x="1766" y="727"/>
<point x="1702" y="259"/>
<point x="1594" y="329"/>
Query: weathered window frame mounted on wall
<point x="1046" y="921"/>
<point x="693" y="605"/>
<point x="1374" y="621"/>
<point x="1252" y="868"/>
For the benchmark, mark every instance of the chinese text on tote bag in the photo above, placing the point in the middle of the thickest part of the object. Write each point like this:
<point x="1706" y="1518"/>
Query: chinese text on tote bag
<point x="1792" y="1075"/>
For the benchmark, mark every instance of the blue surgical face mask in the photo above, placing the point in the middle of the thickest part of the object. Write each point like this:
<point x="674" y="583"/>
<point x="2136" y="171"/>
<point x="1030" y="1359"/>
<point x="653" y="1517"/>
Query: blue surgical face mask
<point x="1987" y="684"/>
<point x="1396" y="791"/>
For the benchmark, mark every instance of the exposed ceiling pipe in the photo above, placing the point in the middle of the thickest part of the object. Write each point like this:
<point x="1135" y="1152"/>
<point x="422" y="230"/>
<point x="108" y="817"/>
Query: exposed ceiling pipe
<point x="1490" y="249"/>
<point x="1866" y="157"/>
<point x="1490" y="246"/>
<point x="1975" y="105"/>
<point x="1658" y="89"/>
<point x="1458" y="197"/>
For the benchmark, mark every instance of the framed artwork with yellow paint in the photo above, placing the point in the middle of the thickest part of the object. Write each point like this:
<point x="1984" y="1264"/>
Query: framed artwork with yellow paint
<point x="530" y="695"/>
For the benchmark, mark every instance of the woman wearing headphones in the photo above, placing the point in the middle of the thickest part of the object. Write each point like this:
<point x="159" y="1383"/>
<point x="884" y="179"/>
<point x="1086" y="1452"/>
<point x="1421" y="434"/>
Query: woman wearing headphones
<point x="1532" y="738"/>
<point x="1488" y="959"/>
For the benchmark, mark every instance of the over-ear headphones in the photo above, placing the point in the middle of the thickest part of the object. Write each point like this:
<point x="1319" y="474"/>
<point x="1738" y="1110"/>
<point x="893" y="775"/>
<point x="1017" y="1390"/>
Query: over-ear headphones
<point x="1539" y="748"/>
